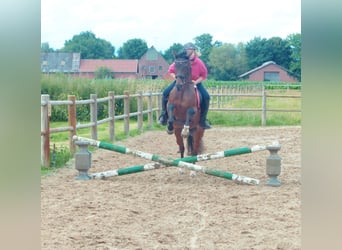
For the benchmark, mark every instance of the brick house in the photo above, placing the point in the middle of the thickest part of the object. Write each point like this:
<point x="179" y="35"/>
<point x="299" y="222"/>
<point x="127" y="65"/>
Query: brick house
<point x="123" y="68"/>
<point x="268" y="71"/>
<point x="152" y="65"/>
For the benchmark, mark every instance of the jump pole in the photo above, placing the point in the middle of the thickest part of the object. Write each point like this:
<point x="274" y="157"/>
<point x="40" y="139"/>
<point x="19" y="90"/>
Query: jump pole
<point x="225" y="153"/>
<point x="191" y="159"/>
<point x="127" y="170"/>
<point x="168" y="161"/>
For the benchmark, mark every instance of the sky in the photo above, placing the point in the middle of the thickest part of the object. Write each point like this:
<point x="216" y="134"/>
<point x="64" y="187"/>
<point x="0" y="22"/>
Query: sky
<point x="162" y="23"/>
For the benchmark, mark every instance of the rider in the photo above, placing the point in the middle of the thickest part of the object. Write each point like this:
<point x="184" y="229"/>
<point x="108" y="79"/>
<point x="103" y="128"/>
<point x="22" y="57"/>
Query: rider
<point x="198" y="74"/>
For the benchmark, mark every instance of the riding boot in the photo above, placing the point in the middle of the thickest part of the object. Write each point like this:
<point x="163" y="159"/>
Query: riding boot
<point x="163" y="117"/>
<point x="204" y="111"/>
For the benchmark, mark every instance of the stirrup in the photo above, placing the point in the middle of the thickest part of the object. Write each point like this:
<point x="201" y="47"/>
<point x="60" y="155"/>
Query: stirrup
<point x="162" y="119"/>
<point x="205" y="125"/>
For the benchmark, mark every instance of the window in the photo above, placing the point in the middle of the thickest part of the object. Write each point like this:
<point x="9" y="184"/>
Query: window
<point x="160" y="68"/>
<point x="151" y="69"/>
<point x="271" y="76"/>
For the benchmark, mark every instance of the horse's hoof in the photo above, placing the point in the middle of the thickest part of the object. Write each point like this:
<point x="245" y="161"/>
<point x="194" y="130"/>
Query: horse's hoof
<point x="170" y="132"/>
<point x="181" y="171"/>
<point x="192" y="173"/>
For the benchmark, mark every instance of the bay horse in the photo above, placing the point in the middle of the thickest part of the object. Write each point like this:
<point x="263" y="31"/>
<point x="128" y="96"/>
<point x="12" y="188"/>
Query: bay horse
<point x="183" y="108"/>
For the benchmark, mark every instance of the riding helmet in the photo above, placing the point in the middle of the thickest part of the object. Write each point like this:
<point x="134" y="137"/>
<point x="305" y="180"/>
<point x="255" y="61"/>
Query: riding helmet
<point x="189" y="46"/>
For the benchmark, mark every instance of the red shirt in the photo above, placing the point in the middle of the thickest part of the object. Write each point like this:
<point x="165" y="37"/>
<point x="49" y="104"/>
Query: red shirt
<point x="198" y="69"/>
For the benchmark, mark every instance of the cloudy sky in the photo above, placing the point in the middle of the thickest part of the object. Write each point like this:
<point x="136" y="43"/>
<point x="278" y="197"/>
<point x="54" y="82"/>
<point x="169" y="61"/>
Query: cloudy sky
<point x="161" y="23"/>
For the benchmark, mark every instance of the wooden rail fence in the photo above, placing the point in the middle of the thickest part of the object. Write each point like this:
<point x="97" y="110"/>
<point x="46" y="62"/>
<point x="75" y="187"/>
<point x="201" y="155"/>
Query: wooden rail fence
<point x="218" y="97"/>
<point x="47" y="104"/>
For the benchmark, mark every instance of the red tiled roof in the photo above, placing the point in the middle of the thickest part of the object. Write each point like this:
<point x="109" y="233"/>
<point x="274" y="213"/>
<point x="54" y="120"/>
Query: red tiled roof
<point x="115" y="65"/>
<point x="265" y="64"/>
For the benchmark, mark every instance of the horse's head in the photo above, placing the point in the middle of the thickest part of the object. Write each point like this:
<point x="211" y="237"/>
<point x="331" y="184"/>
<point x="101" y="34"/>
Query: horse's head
<point x="182" y="68"/>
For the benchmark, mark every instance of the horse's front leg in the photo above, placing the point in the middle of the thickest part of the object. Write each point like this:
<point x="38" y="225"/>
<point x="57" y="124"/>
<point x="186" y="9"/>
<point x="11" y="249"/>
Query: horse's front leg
<point x="189" y="113"/>
<point x="170" y="108"/>
<point x="185" y="131"/>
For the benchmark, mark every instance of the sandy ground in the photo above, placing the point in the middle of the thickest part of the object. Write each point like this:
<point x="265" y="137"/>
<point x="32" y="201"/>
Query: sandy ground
<point x="163" y="209"/>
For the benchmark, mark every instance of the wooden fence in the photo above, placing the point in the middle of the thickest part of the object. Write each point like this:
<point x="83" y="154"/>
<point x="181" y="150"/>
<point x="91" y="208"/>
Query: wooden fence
<point x="222" y="95"/>
<point x="47" y="104"/>
<point x="219" y="97"/>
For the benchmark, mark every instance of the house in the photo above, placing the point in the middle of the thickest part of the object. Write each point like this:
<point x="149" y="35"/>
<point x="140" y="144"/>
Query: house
<point x="268" y="71"/>
<point x="60" y="62"/>
<point x="152" y="65"/>
<point x="123" y="68"/>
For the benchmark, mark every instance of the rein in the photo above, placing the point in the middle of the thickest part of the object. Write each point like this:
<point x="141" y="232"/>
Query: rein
<point x="179" y="76"/>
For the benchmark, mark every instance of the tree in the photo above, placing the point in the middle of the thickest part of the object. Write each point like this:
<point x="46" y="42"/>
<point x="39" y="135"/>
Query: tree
<point x="295" y="44"/>
<point x="103" y="73"/>
<point x="204" y="43"/>
<point x="241" y="59"/>
<point x="279" y="51"/>
<point x="89" y="46"/>
<point x="168" y="55"/>
<point x="133" y="49"/>
<point x="274" y="49"/>
<point x="227" y="62"/>
<point x="45" y="47"/>
<point x="256" y="52"/>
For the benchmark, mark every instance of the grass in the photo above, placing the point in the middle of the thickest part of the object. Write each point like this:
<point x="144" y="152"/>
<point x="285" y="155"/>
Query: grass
<point x="233" y="119"/>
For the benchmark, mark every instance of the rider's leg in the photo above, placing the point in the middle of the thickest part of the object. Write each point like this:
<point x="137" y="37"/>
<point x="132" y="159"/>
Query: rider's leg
<point x="204" y="106"/>
<point x="163" y="117"/>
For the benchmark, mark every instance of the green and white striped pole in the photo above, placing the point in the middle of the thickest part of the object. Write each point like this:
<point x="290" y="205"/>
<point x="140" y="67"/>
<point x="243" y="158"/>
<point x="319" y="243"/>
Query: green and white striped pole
<point x="168" y="161"/>
<point x="225" y="153"/>
<point x="127" y="170"/>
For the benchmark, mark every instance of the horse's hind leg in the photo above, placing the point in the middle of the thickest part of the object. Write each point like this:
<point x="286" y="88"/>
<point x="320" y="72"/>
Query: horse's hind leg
<point x="190" y="144"/>
<point x="197" y="141"/>
<point x="180" y="142"/>
<point x="190" y="147"/>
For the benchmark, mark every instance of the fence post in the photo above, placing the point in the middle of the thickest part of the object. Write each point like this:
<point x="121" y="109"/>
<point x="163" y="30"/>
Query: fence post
<point x="140" y="111"/>
<point x="93" y="116"/>
<point x="45" y="127"/>
<point x="72" y="121"/>
<point x="126" y="112"/>
<point x="150" y="109"/>
<point x="111" y="115"/>
<point x="263" y="116"/>
<point x="159" y="105"/>
<point x="219" y="92"/>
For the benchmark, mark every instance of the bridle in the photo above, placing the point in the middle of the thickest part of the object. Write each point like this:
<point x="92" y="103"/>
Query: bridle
<point x="180" y="76"/>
